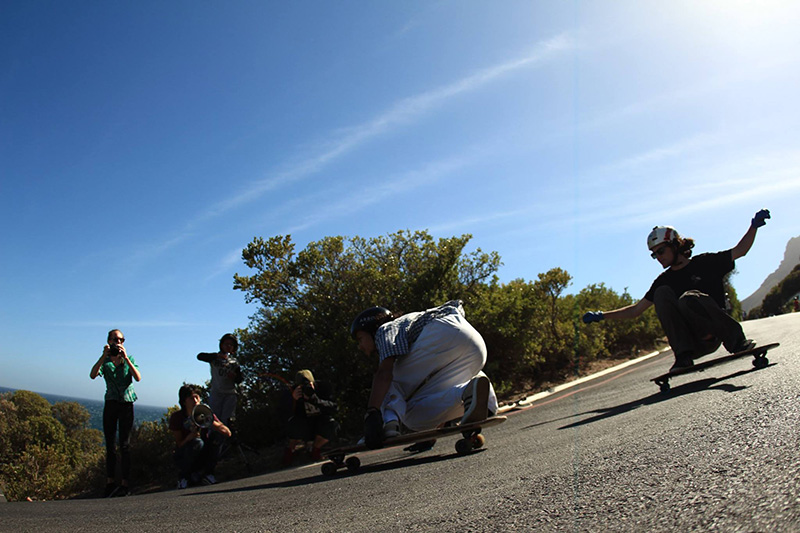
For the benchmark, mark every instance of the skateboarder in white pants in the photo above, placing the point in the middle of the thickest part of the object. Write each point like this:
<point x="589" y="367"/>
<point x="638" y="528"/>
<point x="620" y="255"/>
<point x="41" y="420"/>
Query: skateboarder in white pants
<point x="689" y="295"/>
<point x="429" y="371"/>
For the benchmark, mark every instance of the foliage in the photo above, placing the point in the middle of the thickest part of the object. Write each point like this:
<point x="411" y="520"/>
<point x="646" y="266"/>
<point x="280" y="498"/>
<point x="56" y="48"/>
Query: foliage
<point x="308" y="299"/>
<point x="45" y="452"/>
<point x="152" y="445"/>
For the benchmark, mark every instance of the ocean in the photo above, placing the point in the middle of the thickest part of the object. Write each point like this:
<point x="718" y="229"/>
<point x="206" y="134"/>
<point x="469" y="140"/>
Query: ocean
<point x="141" y="413"/>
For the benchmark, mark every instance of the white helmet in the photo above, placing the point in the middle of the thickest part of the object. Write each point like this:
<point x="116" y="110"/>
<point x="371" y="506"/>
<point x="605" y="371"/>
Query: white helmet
<point x="662" y="234"/>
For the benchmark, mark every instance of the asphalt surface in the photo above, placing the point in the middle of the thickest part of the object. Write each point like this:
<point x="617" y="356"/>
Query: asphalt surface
<point x="718" y="452"/>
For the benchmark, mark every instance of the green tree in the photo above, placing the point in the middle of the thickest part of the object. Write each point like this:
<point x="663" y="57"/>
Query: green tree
<point x="308" y="300"/>
<point x="45" y="452"/>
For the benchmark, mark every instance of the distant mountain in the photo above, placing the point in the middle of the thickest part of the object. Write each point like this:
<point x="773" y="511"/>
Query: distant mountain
<point x="790" y="259"/>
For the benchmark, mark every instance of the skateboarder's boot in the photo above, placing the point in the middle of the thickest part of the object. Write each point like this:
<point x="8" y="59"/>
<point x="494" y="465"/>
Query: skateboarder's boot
<point x="476" y="400"/>
<point x="744" y="345"/>
<point x="684" y="360"/>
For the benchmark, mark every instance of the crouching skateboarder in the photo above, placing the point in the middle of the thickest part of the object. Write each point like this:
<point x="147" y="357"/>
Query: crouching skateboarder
<point x="429" y="370"/>
<point x="689" y="295"/>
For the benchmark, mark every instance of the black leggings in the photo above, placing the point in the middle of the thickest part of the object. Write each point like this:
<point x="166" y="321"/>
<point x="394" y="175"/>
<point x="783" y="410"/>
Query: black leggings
<point x="121" y="412"/>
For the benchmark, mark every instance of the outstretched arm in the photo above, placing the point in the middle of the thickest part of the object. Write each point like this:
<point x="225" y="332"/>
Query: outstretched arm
<point x="623" y="313"/>
<point x="744" y="245"/>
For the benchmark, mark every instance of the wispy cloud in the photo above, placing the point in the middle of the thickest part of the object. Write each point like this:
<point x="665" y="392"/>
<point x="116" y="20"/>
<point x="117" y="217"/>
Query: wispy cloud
<point x="389" y="187"/>
<point x="403" y="112"/>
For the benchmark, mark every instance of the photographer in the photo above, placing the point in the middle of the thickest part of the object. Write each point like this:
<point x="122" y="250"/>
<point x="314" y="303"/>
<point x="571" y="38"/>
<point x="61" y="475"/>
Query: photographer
<point x="225" y="375"/>
<point x="118" y="369"/>
<point x="312" y="416"/>
<point x="195" y="450"/>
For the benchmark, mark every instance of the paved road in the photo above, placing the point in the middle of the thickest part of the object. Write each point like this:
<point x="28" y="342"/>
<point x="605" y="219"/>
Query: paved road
<point x="720" y="451"/>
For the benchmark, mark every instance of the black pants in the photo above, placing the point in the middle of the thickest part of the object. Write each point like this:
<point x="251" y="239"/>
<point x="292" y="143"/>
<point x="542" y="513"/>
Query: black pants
<point x="118" y="413"/>
<point x="688" y="319"/>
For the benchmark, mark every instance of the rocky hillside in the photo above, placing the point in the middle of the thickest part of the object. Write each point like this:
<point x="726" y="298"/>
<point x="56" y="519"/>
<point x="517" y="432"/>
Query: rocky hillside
<point x="790" y="258"/>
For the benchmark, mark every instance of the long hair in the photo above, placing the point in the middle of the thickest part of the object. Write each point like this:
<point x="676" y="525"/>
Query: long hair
<point x="684" y="246"/>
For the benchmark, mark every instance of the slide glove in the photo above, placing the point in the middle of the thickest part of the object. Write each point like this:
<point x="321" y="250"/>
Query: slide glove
<point x="760" y="218"/>
<point x="592" y="316"/>
<point x="373" y="429"/>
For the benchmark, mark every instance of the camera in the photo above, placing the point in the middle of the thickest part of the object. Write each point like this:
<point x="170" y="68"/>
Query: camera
<point x="308" y="390"/>
<point x="113" y="350"/>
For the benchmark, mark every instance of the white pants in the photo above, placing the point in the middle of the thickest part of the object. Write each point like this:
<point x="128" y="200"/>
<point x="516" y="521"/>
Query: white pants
<point x="448" y="354"/>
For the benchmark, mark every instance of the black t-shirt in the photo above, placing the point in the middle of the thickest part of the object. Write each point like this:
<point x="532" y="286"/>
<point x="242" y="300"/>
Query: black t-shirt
<point x="704" y="273"/>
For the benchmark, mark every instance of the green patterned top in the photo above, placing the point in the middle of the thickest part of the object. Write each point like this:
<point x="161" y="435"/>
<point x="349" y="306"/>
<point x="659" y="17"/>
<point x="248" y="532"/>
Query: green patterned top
<point x="119" y="381"/>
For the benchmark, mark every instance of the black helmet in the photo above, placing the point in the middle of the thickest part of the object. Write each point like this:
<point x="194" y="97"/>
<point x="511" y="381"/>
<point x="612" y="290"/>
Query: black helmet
<point x="370" y="320"/>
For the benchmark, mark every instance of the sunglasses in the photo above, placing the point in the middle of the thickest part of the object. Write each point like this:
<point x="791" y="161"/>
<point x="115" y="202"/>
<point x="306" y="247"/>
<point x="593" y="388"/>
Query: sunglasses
<point x="659" y="252"/>
<point x="119" y="340"/>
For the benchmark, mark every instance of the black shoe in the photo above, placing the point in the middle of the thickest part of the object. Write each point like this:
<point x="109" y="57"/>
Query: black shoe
<point x="682" y="361"/>
<point x="121" y="491"/>
<point x="744" y="345"/>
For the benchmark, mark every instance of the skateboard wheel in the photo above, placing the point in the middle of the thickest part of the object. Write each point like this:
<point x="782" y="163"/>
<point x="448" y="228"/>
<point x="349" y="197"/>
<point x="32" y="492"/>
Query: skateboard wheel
<point x="760" y="362"/>
<point x="664" y="387"/>
<point x="478" y="441"/>
<point x="329" y="469"/>
<point x="353" y="464"/>
<point x="463" y="446"/>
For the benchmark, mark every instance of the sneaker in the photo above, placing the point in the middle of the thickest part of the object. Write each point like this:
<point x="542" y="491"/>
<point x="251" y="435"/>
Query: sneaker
<point x="682" y="361"/>
<point x="110" y="490"/>
<point x="183" y="483"/>
<point x="122" y="491"/>
<point x="744" y="345"/>
<point x="391" y="429"/>
<point x="209" y="479"/>
<point x="476" y="400"/>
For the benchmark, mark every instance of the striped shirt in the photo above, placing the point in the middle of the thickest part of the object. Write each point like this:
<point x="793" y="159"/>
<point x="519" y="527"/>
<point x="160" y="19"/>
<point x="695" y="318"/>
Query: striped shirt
<point x="395" y="338"/>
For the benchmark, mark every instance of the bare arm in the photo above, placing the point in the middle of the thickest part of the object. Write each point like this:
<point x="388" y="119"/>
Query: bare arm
<point x="95" y="371"/>
<point x="134" y="371"/>
<point x="744" y="245"/>
<point x="631" y="311"/>
<point x="746" y="242"/>
<point x="219" y="427"/>
<point x="381" y="383"/>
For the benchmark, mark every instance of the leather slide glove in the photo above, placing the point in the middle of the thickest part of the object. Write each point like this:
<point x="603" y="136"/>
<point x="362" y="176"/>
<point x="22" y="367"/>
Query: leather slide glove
<point x="592" y="316"/>
<point x="760" y="218"/>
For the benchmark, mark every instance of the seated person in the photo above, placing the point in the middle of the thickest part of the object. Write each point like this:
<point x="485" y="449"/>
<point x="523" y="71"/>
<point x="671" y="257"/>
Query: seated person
<point x="312" y="416"/>
<point x="195" y="452"/>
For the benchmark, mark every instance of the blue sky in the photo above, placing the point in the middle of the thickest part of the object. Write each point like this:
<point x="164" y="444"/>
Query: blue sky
<point x="143" y="145"/>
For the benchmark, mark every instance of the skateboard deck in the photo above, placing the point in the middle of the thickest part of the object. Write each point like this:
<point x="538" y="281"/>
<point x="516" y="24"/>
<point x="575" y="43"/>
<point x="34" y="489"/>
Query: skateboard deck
<point x="472" y="439"/>
<point x="759" y="361"/>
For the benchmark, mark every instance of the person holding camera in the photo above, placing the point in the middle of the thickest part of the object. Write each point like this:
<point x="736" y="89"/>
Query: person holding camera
<point x="225" y="375"/>
<point x="195" y="450"/>
<point x="312" y="416"/>
<point x="118" y="369"/>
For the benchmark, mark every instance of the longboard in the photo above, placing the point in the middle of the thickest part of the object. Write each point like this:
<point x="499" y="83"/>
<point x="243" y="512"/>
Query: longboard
<point x="759" y="354"/>
<point x="472" y="439"/>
